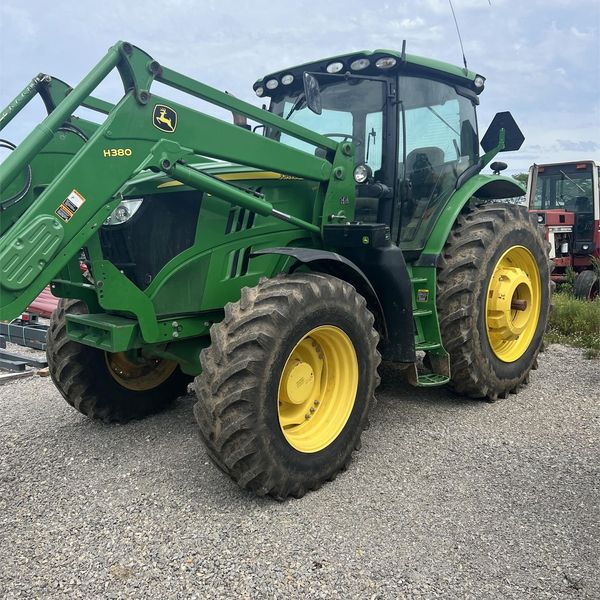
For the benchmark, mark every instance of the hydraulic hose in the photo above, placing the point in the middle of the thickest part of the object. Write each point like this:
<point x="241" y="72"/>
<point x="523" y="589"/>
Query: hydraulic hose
<point x="22" y="193"/>
<point x="5" y="204"/>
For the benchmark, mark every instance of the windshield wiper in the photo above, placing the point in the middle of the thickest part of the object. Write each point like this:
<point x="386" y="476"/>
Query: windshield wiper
<point x="443" y="120"/>
<point x="301" y="99"/>
<point x="572" y="181"/>
<point x="371" y="133"/>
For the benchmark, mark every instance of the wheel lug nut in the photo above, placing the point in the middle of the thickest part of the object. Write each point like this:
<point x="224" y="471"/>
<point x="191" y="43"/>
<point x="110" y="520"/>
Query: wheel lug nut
<point x="317" y="402"/>
<point x="307" y="416"/>
<point x="312" y="409"/>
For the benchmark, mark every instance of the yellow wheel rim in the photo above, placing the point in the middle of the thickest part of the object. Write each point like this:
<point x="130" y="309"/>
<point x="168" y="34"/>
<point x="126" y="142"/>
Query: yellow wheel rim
<point x="513" y="304"/>
<point x="317" y="389"/>
<point x="138" y="373"/>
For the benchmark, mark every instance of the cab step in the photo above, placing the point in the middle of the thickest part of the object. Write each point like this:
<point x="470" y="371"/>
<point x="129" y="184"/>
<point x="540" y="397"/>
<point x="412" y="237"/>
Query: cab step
<point x="426" y="346"/>
<point x="431" y="379"/>
<point x="421" y="379"/>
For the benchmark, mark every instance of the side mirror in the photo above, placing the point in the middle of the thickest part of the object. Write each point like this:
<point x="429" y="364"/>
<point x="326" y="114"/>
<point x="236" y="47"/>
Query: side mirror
<point x="312" y="93"/>
<point x="513" y="137"/>
<point x="498" y="166"/>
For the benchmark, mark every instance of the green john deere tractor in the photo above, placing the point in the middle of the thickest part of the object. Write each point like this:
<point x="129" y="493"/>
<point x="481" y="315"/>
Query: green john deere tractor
<point x="274" y="266"/>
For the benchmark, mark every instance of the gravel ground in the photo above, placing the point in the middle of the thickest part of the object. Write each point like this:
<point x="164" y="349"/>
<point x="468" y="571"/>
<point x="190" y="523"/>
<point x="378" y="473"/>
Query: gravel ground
<point x="448" y="498"/>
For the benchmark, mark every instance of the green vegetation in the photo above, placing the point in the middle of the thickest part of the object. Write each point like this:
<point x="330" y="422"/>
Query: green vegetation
<point x="596" y="265"/>
<point x="575" y="323"/>
<point x="566" y="288"/>
<point x="521" y="178"/>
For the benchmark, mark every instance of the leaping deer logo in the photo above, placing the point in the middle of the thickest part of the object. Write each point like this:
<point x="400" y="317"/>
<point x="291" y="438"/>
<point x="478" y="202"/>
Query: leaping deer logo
<point x="164" y="118"/>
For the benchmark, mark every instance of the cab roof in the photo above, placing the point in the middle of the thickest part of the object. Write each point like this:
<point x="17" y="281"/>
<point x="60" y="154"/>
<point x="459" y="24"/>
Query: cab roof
<point x="568" y="162"/>
<point x="409" y="64"/>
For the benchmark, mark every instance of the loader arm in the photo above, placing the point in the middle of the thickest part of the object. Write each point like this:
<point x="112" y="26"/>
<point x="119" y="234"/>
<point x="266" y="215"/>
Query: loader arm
<point x="52" y="91"/>
<point x="142" y="132"/>
<point x="54" y="156"/>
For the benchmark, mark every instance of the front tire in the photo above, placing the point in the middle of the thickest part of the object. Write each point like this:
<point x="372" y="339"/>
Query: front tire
<point x="287" y="383"/>
<point x="105" y="386"/>
<point x="493" y="299"/>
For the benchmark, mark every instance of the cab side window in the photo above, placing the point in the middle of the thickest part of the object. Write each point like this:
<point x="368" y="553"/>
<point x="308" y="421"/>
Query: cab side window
<point x="437" y="142"/>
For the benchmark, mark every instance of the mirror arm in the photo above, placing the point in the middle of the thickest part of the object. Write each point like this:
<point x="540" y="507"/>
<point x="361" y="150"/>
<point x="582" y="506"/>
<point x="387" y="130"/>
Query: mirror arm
<point x="490" y="154"/>
<point x="483" y="160"/>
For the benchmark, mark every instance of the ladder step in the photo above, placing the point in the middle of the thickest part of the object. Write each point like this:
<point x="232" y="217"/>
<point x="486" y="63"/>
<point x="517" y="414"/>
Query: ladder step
<point x="431" y="379"/>
<point x="418" y="280"/>
<point x="422" y="313"/>
<point x="427" y="346"/>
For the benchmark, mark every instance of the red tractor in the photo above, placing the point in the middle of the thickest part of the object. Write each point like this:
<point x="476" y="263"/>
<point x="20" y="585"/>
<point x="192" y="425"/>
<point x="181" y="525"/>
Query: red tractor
<point x="566" y="199"/>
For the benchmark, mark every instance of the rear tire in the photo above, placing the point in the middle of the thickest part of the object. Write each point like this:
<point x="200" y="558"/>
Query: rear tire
<point x="483" y="241"/>
<point x="253" y="380"/>
<point x="83" y="377"/>
<point x="586" y="285"/>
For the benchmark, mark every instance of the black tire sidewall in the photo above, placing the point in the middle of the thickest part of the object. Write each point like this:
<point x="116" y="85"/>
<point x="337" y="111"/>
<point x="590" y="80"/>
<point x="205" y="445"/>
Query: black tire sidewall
<point x="584" y="285"/>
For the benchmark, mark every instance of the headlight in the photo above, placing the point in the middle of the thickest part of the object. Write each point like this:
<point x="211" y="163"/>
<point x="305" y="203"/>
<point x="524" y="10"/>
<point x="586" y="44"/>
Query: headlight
<point x="259" y="91"/>
<point x="362" y="173"/>
<point x="359" y="64"/>
<point x="272" y="84"/>
<point x="287" y="79"/>
<point x="540" y="218"/>
<point x="385" y="62"/>
<point x="124" y="211"/>
<point x="479" y="81"/>
<point x="335" y="67"/>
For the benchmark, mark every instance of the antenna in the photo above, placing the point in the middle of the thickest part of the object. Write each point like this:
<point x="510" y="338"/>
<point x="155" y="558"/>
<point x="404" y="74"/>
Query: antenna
<point x="459" y="38"/>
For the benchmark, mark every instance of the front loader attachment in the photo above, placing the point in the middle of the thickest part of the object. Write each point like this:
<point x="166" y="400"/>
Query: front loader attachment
<point x="46" y="164"/>
<point x="73" y="191"/>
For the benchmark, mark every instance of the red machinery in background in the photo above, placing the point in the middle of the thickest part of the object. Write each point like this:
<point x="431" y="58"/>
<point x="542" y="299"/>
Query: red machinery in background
<point x="44" y="304"/>
<point x="566" y="198"/>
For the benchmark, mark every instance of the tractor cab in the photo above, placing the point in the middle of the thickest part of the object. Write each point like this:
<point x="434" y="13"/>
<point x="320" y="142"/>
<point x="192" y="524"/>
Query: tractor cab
<point x="412" y="122"/>
<point x="566" y="199"/>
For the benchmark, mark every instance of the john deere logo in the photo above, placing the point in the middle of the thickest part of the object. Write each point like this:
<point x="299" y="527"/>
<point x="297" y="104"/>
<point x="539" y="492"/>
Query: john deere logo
<point x="164" y="118"/>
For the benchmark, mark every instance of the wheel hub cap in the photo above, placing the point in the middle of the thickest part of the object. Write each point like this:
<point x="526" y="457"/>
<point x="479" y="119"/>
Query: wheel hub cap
<point x="300" y="383"/>
<point x="317" y="389"/>
<point x="513" y="304"/>
<point x="510" y="285"/>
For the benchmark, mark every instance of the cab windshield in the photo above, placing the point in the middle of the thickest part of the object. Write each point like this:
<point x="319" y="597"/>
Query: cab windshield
<point x="352" y="110"/>
<point x="567" y="187"/>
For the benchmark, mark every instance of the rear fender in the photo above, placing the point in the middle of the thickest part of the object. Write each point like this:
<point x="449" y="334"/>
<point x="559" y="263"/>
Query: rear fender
<point x="481" y="187"/>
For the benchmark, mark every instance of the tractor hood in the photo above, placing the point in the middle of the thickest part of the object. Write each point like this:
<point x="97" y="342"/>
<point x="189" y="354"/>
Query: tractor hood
<point x="146" y="182"/>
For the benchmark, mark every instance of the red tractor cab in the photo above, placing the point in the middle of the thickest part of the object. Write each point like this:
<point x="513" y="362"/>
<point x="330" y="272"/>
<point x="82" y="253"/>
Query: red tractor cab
<point x="566" y="199"/>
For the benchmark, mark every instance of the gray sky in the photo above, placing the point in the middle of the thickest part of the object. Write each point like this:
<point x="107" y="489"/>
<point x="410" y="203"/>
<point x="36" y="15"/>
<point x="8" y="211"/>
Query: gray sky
<point x="541" y="58"/>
